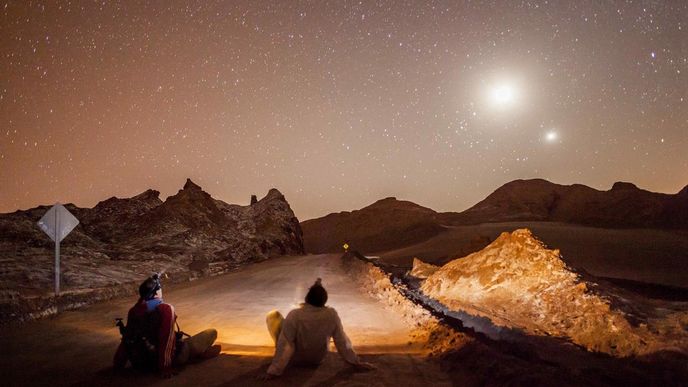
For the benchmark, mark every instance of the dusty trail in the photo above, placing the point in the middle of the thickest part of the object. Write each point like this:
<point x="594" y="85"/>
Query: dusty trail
<point x="75" y="348"/>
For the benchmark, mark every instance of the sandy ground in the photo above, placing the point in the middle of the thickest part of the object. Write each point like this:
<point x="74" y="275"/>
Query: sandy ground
<point x="76" y="347"/>
<point x="646" y="255"/>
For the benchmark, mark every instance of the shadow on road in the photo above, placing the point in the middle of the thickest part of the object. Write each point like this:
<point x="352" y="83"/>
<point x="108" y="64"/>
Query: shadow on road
<point x="233" y="370"/>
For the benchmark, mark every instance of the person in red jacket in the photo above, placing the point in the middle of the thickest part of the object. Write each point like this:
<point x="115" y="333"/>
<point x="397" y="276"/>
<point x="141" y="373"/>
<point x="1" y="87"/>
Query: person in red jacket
<point x="149" y="340"/>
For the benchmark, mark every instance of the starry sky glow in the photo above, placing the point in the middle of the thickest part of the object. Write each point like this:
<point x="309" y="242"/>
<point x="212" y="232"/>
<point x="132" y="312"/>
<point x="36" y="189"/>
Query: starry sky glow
<point x="339" y="103"/>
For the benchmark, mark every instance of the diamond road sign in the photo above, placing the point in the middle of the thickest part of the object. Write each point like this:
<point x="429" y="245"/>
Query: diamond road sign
<point x="58" y="221"/>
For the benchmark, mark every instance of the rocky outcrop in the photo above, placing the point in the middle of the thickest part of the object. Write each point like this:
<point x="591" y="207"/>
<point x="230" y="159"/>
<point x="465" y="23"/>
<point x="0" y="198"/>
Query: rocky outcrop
<point x="421" y="269"/>
<point x="121" y="241"/>
<point x="517" y="282"/>
<point x="112" y="220"/>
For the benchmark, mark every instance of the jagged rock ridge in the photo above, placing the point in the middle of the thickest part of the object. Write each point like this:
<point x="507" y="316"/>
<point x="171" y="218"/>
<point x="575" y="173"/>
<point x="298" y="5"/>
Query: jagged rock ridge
<point x="123" y="240"/>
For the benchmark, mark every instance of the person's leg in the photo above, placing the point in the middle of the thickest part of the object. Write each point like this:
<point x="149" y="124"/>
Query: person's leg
<point x="182" y="353"/>
<point x="274" y="320"/>
<point x="201" y="342"/>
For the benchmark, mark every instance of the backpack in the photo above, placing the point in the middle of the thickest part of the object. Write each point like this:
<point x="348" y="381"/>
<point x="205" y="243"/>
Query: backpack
<point x="140" y="343"/>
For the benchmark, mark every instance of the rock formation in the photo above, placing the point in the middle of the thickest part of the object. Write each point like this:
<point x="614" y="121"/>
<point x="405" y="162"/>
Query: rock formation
<point x="121" y="241"/>
<point x="518" y="283"/>
<point x="421" y="269"/>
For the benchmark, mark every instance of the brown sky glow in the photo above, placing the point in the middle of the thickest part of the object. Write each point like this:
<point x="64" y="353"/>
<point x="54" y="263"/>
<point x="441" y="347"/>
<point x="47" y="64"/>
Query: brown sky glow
<point x="338" y="104"/>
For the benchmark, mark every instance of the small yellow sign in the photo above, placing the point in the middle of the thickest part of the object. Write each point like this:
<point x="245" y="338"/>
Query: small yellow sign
<point x="346" y="246"/>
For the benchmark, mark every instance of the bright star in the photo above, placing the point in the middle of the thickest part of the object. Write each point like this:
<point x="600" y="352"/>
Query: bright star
<point x="551" y="136"/>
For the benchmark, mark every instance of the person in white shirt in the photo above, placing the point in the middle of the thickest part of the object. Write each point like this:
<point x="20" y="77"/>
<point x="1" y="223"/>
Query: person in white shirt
<point x="304" y="336"/>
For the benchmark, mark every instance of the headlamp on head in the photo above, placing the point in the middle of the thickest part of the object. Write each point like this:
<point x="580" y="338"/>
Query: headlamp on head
<point x="150" y="286"/>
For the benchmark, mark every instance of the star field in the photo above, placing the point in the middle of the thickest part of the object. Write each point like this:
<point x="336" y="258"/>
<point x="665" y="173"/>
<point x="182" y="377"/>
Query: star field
<point x="338" y="104"/>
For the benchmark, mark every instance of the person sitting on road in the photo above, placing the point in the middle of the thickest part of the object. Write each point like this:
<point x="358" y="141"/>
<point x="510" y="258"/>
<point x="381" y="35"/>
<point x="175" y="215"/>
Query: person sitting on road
<point x="304" y="336"/>
<point x="149" y="340"/>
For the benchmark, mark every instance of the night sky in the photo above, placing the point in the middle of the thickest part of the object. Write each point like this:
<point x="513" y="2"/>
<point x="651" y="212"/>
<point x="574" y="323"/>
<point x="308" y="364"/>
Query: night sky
<point x="338" y="104"/>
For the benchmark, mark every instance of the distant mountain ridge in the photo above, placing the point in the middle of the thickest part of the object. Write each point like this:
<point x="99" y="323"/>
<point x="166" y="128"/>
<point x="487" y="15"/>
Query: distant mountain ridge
<point x="623" y="206"/>
<point x="390" y="223"/>
<point x="379" y="226"/>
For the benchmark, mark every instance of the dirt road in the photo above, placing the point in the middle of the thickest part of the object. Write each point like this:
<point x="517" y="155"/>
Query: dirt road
<point x="76" y="347"/>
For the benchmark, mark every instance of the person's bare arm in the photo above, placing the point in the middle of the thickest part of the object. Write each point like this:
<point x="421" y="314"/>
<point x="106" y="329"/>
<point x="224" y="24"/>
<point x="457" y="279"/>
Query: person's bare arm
<point x="284" y="350"/>
<point x="344" y="347"/>
<point x="342" y="342"/>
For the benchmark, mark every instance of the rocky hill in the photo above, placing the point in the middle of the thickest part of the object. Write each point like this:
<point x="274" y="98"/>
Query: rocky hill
<point x="518" y="283"/>
<point x="121" y="241"/>
<point x="623" y="206"/>
<point x="389" y="223"/>
<point x="386" y="224"/>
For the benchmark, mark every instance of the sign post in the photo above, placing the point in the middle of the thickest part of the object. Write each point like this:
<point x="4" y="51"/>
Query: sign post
<point x="57" y="255"/>
<point x="58" y="222"/>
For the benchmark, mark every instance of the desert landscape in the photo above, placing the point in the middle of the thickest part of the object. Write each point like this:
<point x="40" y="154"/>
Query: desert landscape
<point x="650" y="249"/>
<point x="591" y="305"/>
<point x="344" y="193"/>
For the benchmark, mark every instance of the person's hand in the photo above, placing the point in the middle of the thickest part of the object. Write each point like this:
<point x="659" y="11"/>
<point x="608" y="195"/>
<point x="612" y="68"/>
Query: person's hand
<point x="266" y="376"/>
<point x="363" y="366"/>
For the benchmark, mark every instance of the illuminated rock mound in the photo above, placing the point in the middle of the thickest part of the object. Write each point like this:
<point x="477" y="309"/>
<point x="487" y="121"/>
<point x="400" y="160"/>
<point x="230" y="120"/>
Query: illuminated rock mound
<point x="517" y="282"/>
<point x="421" y="269"/>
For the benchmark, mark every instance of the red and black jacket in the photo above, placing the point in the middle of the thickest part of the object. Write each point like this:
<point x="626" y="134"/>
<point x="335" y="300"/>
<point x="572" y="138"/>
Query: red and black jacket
<point x="159" y="324"/>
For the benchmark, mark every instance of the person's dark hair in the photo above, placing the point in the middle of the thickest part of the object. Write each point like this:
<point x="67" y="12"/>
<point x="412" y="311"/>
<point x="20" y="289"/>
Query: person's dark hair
<point x="317" y="295"/>
<point x="148" y="287"/>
